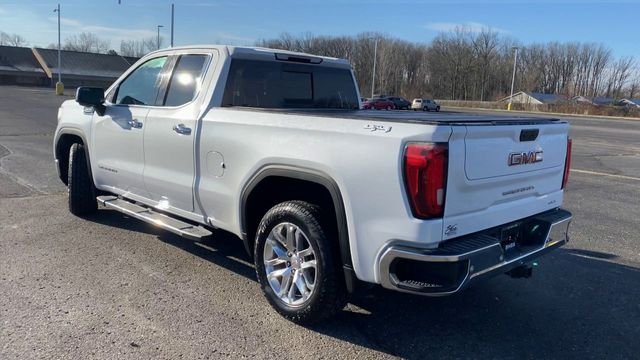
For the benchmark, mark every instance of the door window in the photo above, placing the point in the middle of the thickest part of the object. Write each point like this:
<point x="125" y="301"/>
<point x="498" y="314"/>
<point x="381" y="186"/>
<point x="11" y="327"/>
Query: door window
<point x="186" y="79"/>
<point x="142" y="85"/>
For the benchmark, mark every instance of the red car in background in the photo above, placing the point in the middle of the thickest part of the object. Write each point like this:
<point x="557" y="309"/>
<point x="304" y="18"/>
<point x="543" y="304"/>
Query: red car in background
<point x="379" y="104"/>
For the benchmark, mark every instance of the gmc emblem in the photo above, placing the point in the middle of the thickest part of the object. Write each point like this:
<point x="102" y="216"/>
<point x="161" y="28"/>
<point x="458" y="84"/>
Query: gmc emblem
<point x="522" y="158"/>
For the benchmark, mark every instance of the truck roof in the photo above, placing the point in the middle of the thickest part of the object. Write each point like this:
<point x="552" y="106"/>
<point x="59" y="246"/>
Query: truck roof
<point x="258" y="53"/>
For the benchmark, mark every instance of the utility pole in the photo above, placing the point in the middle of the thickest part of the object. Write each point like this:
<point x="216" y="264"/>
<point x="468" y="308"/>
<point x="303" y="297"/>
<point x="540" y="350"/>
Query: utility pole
<point x="373" y="76"/>
<point x="159" y="26"/>
<point x="172" y="16"/>
<point x="59" y="85"/>
<point x="513" y="78"/>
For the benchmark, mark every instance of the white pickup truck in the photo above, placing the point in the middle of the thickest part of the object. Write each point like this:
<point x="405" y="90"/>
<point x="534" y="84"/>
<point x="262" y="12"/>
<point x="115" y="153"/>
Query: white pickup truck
<point x="271" y="146"/>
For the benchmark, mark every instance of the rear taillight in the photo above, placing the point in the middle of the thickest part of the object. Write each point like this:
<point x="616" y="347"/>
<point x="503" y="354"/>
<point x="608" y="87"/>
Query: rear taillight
<point x="567" y="164"/>
<point x="425" y="172"/>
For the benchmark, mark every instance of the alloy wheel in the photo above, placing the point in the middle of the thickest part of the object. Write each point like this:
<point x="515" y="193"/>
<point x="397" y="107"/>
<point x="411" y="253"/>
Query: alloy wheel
<point x="290" y="264"/>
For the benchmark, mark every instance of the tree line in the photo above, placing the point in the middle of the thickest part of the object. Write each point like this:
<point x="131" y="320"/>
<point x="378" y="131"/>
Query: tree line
<point x="458" y="65"/>
<point x="90" y="42"/>
<point x="473" y="65"/>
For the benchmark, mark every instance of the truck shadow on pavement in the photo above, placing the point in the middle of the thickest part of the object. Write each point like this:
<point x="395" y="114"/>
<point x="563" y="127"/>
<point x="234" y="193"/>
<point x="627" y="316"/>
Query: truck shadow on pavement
<point x="578" y="304"/>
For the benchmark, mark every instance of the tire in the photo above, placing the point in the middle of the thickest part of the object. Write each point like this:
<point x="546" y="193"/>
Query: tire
<point x="388" y="108"/>
<point x="437" y="108"/>
<point x="303" y="221"/>
<point x="425" y="109"/>
<point x="82" y="192"/>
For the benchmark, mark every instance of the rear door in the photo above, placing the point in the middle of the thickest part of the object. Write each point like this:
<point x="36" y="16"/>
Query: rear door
<point x="171" y="132"/>
<point x="503" y="172"/>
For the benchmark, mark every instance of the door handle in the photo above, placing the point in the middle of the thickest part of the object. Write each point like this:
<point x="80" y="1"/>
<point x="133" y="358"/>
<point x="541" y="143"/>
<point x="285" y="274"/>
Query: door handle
<point x="134" y="124"/>
<point x="182" y="129"/>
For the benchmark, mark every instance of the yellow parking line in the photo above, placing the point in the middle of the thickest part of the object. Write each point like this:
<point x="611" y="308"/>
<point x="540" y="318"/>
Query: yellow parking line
<point x="605" y="174"/>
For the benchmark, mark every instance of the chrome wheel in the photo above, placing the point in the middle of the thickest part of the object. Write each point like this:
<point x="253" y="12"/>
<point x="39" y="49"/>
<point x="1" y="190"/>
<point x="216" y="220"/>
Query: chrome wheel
<point x="290" y="264"/>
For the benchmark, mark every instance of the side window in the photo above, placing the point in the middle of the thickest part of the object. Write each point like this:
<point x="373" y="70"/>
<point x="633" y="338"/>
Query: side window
<point x="186" y="79"/>
<point x="142" y="85"/>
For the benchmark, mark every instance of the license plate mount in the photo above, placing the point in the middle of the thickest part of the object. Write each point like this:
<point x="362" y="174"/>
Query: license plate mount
<point x="511" y="237"/>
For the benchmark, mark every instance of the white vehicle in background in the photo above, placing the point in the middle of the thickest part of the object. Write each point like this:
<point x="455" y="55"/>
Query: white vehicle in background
<point x="425" y="105"/>
<point x="271" y="146"/>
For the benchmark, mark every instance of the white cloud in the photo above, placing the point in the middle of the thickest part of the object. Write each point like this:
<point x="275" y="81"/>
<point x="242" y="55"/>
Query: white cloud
<point x="111" y="34"/>
<point x="228" y="37"/>
<point x="471" y="26"/>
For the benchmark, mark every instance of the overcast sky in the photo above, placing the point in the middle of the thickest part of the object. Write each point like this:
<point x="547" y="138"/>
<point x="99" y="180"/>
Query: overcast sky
<point x="614" y="23"/>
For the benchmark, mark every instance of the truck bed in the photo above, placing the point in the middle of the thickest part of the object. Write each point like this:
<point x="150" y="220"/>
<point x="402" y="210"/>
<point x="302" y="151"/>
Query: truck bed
<point x="417" y="117"/>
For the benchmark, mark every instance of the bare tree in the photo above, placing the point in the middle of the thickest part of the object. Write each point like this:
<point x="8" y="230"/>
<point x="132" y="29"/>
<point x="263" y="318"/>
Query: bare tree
<point x="139" y="48"/>
<point x="12" y="39"/>
<point x="86" y="42"/>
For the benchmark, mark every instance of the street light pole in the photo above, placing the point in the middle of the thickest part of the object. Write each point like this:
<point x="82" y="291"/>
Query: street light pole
<point x="513" y="77"/>
<point x="59" y="85"/>
<point x="172" y="13"/>
<point x="373" y="76"/>
<point x="159" y="26"/>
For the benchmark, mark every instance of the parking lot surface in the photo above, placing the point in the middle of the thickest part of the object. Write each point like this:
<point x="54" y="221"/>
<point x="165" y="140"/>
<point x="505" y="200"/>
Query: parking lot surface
<point x="111" y="287"/>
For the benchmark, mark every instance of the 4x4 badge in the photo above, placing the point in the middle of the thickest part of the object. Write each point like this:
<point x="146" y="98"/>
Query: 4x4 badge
<point x="372" y="127"/>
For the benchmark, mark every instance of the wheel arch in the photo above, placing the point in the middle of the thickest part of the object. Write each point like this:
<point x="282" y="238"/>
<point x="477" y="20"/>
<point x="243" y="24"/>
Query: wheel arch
<point x="285" y="174"/>
<point x="65" y="138"/>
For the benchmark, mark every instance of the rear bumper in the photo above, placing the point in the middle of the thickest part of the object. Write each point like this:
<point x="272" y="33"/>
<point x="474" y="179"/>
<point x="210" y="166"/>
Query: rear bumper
<point x="459" y="262"/>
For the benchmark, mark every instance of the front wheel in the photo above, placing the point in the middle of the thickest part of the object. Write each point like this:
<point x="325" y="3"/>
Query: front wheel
<point x="296" y="264"/>
<point x="82" y="193"/>
<point x="438" y="109"/>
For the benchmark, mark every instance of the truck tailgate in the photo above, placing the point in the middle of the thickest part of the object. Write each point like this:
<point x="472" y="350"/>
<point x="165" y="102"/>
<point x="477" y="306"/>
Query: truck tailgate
<point x="495" y="151"/>
<point x="502" y="172"/>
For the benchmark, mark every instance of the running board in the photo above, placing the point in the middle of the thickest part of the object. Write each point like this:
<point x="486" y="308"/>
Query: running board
<point x="179" y="227"/>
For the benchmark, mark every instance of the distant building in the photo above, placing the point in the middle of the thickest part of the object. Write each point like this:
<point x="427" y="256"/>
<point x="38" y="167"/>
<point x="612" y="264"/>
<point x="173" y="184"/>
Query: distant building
<point x="597" y="100"/>
<point x="631" y="103"/>
<point x="533" y="98"/>
<point x="18" y="66"/>
<point x="82" y="68"/>
<point x="39" y="67"/>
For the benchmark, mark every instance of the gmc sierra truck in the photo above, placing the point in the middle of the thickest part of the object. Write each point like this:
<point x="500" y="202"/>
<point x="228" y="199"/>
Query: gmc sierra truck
<point x="272" y="146"/>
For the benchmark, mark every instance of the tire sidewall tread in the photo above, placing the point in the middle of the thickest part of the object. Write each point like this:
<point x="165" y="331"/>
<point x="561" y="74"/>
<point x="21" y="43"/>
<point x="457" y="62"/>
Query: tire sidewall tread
<point x="330" y="293"/>
<point x="81" y="191"/>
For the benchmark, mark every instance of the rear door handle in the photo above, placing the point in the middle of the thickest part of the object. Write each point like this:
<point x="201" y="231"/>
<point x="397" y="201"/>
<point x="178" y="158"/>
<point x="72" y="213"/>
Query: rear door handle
<point x="134" y="124"/>
<point x="182" y="129"/>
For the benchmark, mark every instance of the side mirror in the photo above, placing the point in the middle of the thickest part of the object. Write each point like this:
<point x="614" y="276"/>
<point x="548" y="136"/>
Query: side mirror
<point x="91" y="96"/>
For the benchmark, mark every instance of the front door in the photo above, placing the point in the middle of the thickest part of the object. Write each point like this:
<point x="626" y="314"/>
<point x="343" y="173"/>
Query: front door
<point x="117" y="136"/>
<point x="170" y="134"/>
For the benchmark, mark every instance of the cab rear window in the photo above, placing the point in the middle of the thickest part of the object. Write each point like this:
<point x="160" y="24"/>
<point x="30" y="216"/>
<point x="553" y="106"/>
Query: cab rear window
<point x="274" y="84"/>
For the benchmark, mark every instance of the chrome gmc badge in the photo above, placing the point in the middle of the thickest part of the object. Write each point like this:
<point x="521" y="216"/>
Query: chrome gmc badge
<point x="522" y="158"/>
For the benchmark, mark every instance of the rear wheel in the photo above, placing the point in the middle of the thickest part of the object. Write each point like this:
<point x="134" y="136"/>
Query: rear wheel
<point x="295" y="263"/>
<point x="82" y="192"/>
<point x="388" y="107"/>
<point x="426" y="108"/>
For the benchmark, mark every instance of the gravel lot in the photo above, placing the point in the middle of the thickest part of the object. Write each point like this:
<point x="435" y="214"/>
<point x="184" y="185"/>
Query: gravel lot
<point x="111" y="287"/>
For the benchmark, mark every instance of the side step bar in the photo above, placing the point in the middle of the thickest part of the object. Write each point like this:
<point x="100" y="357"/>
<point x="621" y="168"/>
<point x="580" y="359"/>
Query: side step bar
<point x="179" y="227"/>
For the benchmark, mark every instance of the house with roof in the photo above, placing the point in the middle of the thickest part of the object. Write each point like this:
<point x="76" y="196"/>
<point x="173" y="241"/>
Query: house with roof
<point x="534" y="98"/>
<point x="630" y="103"/>
<point x="82" y="68"/>
<point x="19" y="66"/>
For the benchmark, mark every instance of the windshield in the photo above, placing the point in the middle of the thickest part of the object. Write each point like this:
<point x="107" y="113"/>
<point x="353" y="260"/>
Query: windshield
<point x="272" y="84"/>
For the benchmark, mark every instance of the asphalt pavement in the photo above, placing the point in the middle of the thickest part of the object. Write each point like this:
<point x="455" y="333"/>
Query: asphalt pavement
<point x="110" y="287"/>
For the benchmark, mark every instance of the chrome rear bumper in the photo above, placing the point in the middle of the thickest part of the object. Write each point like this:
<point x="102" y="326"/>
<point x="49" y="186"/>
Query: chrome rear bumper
<point x="457" y="263"/>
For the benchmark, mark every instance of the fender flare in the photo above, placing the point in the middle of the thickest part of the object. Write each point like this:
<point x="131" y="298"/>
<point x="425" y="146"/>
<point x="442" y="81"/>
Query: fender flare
<point x="306" y="174"/>
<point x="78" y="133"/>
